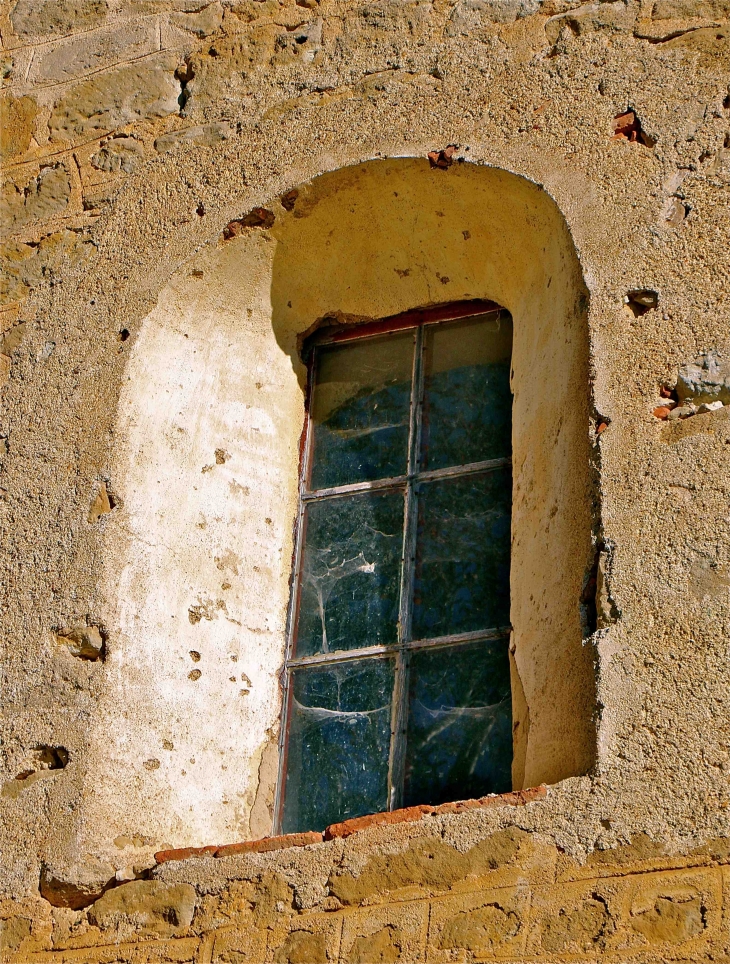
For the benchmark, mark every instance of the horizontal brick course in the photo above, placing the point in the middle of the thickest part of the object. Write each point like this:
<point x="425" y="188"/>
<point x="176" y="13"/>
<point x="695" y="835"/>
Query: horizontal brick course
<point x="336" y="831"/>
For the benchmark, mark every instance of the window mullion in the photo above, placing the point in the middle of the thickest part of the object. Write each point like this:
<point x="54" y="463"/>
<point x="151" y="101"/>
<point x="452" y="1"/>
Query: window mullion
<point x="396" y="768"/>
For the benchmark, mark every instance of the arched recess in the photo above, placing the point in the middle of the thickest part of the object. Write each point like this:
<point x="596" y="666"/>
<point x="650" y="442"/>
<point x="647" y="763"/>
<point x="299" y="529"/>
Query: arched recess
<point x="206" y="476"/>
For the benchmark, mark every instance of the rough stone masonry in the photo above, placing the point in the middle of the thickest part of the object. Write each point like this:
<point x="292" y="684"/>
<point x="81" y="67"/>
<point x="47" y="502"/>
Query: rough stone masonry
<point x="188" y="188"/>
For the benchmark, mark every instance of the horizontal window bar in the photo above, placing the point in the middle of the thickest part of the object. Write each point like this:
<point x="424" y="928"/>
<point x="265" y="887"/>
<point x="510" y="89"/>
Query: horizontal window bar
<point x="343" y="656"/>
<point x="470" y="468"/>
<point x="334" y="334"/>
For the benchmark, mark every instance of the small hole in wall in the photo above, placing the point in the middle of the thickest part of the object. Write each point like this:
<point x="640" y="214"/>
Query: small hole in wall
<point x="123" y="334"/>
<point x="641" y="300"/>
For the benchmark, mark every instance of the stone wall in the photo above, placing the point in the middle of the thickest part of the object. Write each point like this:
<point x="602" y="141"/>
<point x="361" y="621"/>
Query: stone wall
<point x="138" y="136"/>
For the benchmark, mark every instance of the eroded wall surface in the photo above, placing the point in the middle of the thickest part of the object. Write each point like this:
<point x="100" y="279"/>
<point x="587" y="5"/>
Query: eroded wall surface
<point x="143" y="316"/>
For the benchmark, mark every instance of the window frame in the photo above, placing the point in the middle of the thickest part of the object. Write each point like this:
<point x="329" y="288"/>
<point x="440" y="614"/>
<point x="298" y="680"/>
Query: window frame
<point x="416" y="319"/>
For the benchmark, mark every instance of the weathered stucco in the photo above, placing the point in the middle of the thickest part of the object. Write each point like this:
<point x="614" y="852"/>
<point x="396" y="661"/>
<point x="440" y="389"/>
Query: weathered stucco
<point x="144" y="471"/>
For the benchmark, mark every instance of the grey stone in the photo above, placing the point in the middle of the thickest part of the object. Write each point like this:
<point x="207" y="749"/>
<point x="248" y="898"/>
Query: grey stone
<point x="146" y="905"/>
<point x="118" y="154"/>
<point x="202" y="23"/>
<point x="77" y="887"/>
<point x="592" y="17"/>
<point x="681" y="411"/>
<point x="684" y="9"/>
<point x="44" y="196"/>
<point x="707" y="379"/>
<point x="469" y="15"/>
<point x="205" y="136"/>
<point x="71" y="59"/>
<point x="117" y="97"/>
<point x="37" y="18"/>
<point x="709" y="407"/>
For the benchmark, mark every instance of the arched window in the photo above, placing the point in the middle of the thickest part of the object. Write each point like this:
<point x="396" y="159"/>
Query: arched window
<point x="397" y="672"/>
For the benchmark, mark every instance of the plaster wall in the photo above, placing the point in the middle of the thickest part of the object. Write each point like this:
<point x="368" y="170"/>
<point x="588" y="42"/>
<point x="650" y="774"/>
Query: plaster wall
<point x="122" y="174"/>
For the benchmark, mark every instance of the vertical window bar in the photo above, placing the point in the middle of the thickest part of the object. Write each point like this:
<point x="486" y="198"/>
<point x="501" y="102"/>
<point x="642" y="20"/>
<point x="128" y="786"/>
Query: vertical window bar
<point x="396" y="764"/>
<point x="291" y="617"/>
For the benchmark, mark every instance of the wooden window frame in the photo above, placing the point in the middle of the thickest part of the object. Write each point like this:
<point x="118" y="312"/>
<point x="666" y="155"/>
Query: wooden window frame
<point x="417" y="319"/>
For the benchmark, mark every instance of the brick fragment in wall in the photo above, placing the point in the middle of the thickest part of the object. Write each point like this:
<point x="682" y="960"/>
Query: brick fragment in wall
<point x="146" y="907"/>
<point x="206" y="135"/>
<point x="117" y="97"/>
<point x="81" y="54"/>
<point x="16" y="129"/>
<point x="43" y="196"/>
<point x="41" y="18"/>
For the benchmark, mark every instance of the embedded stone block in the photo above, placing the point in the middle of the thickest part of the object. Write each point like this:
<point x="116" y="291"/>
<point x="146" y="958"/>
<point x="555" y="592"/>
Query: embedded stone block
<point x="72" y="58"/>
<point x="431" y="866"/>
<point x="40" y="18"/>
<point x="306" y="938"/>
<point x="108" y="100"/>
<point x="487" y="924"/>
<point x="45" y="195"/>
<point x="145" y="907"/>
<point x="19" y="114"/>
<point x="385" y="934"/>
<point x="239" y="945"/>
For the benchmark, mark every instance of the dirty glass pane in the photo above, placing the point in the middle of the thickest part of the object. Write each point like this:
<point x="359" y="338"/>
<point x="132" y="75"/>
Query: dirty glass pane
<point x="462" y="554"/>
<point x="339" y="741"/>
<point x="360" y="410"/>
<point x="459" y="742"/>
<point x="467" y="404"/>
<point x="350" y="573"/>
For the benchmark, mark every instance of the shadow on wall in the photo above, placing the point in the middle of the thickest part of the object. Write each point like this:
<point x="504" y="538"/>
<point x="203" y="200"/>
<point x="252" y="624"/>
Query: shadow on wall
<point x="385" y="236"/>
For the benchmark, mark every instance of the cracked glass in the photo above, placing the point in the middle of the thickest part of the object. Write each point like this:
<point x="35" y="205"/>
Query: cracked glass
<point x="339" y="739"/>
<point x="350" y="578"/>
<point x="397" y="673"/>
<point x="360" y="406"/>
<point x="459" y="724"/>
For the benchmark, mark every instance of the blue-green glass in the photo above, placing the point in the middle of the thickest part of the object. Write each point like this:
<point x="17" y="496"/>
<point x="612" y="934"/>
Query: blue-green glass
<point x="467" y="403"/>
<point x="339" y="742"/>
<point x="459" y="742"/>
<point x="350" y="573"/>
<point x="462" y="554"/>
<point x="360" y="410"/>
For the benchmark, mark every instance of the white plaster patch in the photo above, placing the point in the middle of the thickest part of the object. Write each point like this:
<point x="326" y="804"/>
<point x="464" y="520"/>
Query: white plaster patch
<point x="199" y="556"/>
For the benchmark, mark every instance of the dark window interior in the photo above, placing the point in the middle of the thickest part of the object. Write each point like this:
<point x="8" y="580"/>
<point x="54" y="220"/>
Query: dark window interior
<point x="397" y="672"/>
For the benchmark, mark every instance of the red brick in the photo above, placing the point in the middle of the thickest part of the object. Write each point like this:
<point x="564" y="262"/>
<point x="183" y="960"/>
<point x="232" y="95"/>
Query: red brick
<point x="267" y="844"/>
<point x="516" y="798"/>
<point x="162" y="856"/>
<point x="662" y="411"/>
<point x="348" y="827"/>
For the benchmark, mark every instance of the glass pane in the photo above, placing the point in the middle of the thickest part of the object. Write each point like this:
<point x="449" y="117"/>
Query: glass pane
<point x="462" y="554"/>
<point x="350" y="573"/>
<point x="467" y="404"/>
<point x="360" y="410"/>
<point x="459" y="723"/>
<point x="339" y="741"/>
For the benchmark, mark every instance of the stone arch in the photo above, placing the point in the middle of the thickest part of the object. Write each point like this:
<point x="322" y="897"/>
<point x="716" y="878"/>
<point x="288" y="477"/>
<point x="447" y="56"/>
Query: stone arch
<point x="197" y="577"/>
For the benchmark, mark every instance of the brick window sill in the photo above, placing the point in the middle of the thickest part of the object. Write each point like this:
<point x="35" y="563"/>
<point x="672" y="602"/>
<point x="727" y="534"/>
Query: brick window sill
<point x="516" y="798"/>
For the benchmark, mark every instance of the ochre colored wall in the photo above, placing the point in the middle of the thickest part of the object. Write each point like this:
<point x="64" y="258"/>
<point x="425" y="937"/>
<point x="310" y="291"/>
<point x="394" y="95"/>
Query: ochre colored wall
<point x="133" y="134"/>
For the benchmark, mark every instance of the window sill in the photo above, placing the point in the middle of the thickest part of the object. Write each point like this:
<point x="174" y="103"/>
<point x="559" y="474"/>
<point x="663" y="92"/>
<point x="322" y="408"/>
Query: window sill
<point x="516" y="798"/>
